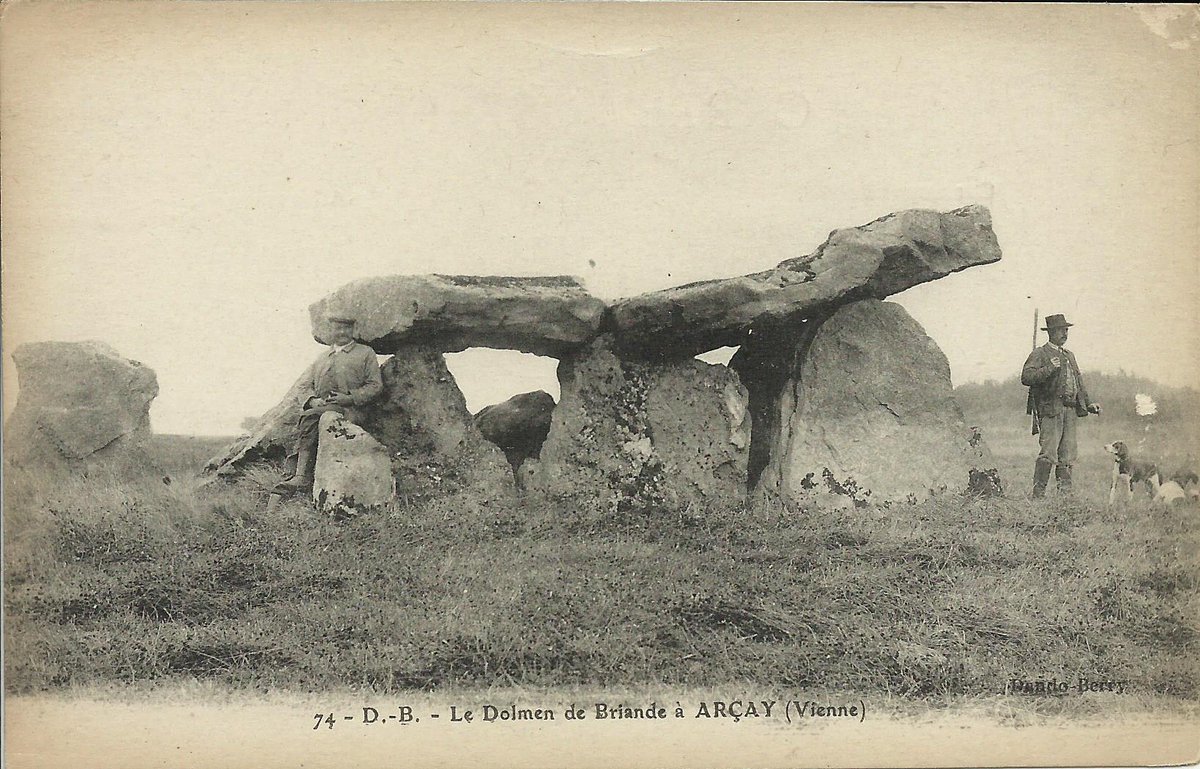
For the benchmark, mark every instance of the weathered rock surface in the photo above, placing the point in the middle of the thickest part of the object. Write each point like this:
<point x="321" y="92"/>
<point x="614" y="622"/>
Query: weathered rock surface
<point x="858" y="406"/>
<point x="353" y="473"/>
<point x="518" y="425"/>
<point x="545" y="315"/>
<point x="643" y="436"/>
<point x="876" y="260"/>
<point x="421" y="419"/>
<point x="80" y="406"/>
<point x="273" y="437"/>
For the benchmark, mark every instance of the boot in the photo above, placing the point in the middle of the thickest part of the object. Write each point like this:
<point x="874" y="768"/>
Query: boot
<point x="303" y="479"/>
<point x="1041" y="476"/>
<point x="1062" y="474"/>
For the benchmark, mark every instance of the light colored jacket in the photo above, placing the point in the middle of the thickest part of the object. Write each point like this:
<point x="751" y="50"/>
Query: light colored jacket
<point x="352" y="371"/>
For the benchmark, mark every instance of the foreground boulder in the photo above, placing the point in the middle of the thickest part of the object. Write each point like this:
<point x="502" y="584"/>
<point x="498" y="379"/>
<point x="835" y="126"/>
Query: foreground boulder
<point x="857" y="406"/>
<point x="353" y="473"/>
<point x="642" y="436"/>
<point x="876" y="260"/>
<point x="518" y="426"/>
<point x="81" y="406"/>
<point x="449" y="313"/>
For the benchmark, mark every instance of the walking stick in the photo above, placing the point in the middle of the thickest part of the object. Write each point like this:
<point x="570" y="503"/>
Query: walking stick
<point x="1030" y="406"/>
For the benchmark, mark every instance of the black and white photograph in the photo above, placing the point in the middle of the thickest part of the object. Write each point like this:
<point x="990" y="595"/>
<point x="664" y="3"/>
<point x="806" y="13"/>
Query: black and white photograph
<point x="600" y="384"/>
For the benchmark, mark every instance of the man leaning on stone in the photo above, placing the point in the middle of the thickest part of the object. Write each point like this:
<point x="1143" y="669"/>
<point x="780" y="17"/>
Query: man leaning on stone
<point x="344" y="379"/>
<point x="1057" y="397"/>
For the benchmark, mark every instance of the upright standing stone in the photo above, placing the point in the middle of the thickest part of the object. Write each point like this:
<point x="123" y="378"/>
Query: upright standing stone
<point x="423" y="420"/>
<point x="353" y="473"/>
<point x="858" y="405"/>
<point x="643" y="436"/>
<point x="81" y="407"/>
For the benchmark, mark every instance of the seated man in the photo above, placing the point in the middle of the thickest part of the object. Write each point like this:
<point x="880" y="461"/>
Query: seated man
<point x="343" y="379"/>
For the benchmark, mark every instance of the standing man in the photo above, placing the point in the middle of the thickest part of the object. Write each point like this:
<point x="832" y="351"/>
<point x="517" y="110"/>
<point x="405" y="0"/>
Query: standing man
<point x="343" y="379"/>
<point x="1057" y="398"/>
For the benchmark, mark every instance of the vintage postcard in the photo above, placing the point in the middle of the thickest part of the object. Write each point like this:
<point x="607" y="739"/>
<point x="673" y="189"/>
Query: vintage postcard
<point x="600" y="384"/>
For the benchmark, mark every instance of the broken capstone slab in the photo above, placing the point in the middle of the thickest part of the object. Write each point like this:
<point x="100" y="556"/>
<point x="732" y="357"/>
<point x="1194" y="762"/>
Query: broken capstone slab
<point x="856" y="408"/>
<point x="449" y="313"/>
<point x="272" y="438"/>
<point x="889" y="255"/>
<point x="353" y="473"/>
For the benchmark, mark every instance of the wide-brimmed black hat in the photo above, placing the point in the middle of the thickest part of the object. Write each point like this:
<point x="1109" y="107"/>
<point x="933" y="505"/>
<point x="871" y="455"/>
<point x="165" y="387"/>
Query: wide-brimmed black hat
<point x="1056" y="321"/>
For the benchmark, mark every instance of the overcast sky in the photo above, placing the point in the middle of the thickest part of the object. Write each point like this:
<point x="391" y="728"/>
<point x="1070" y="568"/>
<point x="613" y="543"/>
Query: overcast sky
<point x="183" y="180"/>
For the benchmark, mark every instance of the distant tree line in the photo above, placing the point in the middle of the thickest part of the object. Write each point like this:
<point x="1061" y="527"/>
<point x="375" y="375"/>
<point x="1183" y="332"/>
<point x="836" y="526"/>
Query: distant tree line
<point x="1176" y="407"/>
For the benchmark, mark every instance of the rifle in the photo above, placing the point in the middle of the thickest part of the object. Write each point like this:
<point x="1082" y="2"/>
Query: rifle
<point x="1030" y="406"/>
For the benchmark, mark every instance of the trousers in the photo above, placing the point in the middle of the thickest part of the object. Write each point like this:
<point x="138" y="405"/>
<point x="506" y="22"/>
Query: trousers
<point x="1057" y="438"/>
<point x="310" y="428"/>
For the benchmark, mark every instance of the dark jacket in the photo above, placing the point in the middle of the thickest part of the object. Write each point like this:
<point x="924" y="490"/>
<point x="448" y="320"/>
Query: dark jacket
<point x="1047" y="385"/>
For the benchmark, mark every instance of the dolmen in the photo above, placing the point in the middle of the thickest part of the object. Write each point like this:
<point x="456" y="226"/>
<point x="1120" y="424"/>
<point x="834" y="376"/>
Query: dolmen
<point x="833" y="396"/>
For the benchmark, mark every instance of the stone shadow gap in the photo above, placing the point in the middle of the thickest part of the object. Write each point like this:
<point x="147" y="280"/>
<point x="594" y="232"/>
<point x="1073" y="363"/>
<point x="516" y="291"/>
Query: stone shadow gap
<point x="512" y="396"/>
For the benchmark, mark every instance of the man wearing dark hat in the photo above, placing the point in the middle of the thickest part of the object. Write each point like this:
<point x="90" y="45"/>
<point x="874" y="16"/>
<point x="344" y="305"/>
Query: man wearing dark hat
<point x="344" y="379"/>
<point x="1057" y="397"/>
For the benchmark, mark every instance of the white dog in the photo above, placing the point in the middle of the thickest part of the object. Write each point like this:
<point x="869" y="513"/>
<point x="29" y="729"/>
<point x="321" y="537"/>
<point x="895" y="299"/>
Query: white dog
<point x="1170" y="493"/>
<point x="1188" y="482"/>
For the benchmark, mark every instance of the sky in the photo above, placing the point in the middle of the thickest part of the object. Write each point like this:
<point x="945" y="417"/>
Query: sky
<point x="182" y="180"/>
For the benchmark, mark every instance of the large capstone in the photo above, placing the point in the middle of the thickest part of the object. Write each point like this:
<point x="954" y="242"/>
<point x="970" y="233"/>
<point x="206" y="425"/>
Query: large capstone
<point x="875" y="260"/>
<point x="544" y="316"/>
<point x="518" y="426"/>
<point x="353" y="473"/>
<point x="858" y="407"/>
<point x="641" y="436"/>
<point x="81" y="406"/>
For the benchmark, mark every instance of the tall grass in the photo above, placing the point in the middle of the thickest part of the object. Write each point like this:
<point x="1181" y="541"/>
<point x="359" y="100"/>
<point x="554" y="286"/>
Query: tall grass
<point x="952" y="597"/>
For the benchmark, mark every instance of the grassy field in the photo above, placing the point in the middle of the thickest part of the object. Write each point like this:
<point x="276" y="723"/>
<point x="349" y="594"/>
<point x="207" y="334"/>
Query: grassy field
<point x="155" y="584"/>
